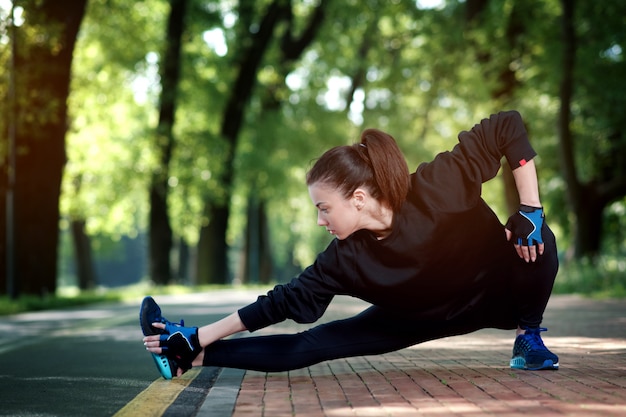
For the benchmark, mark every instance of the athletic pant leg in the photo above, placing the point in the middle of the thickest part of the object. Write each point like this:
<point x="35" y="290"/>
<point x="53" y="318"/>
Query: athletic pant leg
<point x="533" y="282"/>
<point x="374" y="331"/>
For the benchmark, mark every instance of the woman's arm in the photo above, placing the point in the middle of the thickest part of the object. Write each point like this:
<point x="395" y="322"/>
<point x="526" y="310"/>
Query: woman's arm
<point x="528" y="191"/>
<point x="206" y="334"/>
<point x="526" y="183"/>
<point x="453" y="180"/>
<point x="220" y="329"/>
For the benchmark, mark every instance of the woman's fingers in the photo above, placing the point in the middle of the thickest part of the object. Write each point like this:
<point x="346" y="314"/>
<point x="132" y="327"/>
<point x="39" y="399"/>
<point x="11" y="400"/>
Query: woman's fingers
<point x="529" y="253"/>
<point x="152" y="343"/>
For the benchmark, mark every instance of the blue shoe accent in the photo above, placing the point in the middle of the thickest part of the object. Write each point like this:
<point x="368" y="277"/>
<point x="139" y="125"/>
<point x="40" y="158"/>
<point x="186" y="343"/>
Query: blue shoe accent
<point x="529" y="352"/>
<point x="163" y="365"/>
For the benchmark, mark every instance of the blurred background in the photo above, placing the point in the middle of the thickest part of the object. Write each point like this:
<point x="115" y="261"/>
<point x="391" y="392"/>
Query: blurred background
<point x="166" y="142"/>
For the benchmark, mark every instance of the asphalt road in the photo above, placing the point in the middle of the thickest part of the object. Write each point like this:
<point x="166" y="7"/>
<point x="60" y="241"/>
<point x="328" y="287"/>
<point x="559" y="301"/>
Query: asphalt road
<point x="89" y="361"/>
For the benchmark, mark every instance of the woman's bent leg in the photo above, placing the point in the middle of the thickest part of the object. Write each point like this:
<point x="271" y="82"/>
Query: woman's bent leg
<point x="533" y="282"/>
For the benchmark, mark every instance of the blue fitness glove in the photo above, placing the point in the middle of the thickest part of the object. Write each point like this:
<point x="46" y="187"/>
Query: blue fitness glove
<point x="526" y="224"/>
<point x="180" y="344"/>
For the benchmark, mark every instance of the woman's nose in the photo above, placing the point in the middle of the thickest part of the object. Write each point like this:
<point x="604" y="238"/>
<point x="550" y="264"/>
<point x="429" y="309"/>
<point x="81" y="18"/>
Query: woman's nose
<point x="320" y="220"/>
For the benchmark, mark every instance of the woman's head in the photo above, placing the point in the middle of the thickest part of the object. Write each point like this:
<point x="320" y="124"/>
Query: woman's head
<point x="375" y="164"/>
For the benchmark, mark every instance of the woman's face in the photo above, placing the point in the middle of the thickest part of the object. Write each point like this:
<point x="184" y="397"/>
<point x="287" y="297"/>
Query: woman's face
<point x="339" y="215"/>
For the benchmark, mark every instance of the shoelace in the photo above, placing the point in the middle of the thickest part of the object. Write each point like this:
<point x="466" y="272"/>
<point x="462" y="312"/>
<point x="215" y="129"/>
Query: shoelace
<point x="534" y="338"/>
<point x="170" y="323"/>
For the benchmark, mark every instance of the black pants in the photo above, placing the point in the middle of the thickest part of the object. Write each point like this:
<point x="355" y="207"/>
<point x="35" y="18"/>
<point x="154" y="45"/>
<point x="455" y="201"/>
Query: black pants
<point x="377" y="330"/>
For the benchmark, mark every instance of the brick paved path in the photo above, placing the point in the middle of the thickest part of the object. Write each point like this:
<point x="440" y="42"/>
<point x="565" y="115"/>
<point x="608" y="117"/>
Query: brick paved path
<point x="460" y="376"/>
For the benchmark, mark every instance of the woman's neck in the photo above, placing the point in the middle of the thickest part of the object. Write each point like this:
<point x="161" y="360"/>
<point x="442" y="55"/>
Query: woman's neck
<point x="380" y="222"/>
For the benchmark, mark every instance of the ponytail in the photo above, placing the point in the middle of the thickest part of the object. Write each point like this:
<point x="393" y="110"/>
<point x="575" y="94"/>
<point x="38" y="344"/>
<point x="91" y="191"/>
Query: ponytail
<point x="375" y="163"/>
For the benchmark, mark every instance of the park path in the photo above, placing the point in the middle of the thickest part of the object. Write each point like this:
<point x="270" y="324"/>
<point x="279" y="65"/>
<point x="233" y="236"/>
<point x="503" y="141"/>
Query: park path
<point x="458" y="376"/>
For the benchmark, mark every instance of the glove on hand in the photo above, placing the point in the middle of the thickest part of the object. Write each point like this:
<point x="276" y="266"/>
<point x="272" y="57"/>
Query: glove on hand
<point x="525" y="225"/>
<point x="181" y="344"/>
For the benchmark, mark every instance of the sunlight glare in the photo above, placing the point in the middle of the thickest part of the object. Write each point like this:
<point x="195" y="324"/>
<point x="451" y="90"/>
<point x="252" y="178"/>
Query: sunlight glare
<point x="430" y="4"/>
<point x="215" y="39"/>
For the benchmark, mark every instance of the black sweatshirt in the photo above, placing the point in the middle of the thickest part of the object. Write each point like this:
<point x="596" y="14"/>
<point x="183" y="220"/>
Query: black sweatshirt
<point x="445" y="250"/>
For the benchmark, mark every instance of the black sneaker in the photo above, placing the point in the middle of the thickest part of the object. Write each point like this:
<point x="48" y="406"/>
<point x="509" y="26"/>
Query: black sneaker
<point x="149" y="313"/>
<point x="531" y="354"/>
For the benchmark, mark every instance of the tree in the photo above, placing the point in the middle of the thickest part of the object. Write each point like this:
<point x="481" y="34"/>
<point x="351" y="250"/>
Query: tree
<point x="160" y="229"/>
<point x="607" y="176"/>
<point x="113" y="108"/>
<point x="45" y="45"/>
<point x="256" y="255"/>
<point x="83" y="254"/>
<point x="212" y="246"/>
<point x="212" y="262"/>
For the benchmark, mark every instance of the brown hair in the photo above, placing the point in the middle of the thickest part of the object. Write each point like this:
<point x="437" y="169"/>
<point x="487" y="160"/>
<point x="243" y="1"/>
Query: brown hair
<point x="375" y="163"/>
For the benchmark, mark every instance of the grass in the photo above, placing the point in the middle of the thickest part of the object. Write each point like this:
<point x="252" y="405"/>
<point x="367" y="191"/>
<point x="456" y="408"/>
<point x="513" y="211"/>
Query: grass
<point x="34" y="303"/>
<point x="72" y="297"/>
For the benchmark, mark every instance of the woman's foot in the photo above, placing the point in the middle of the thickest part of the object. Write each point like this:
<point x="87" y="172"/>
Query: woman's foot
<point x="529" y="352"/>
<point x="173" y="346"/>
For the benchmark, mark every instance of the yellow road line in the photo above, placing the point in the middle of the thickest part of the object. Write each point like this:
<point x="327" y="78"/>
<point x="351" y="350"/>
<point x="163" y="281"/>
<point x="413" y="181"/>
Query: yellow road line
<point x="155" y="400"/>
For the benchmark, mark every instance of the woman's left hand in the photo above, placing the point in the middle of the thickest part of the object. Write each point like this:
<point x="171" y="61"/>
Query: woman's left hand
<point x="525" y="227"/>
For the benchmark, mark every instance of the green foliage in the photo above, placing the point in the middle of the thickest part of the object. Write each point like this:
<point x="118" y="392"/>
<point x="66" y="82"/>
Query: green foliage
<point x="601" y="277"/>
<point x="113" y="116"/>
<point x="601" y="93"/>
<point x="423" y="75"/>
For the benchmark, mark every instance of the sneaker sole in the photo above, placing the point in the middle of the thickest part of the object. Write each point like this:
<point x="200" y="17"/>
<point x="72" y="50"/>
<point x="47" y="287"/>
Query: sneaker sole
<point x="519" y="362"/>
<point x="163" y="365"/>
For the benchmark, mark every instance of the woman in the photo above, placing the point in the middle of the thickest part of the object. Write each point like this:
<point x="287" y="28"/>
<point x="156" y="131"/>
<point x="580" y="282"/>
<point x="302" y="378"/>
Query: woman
<point x="424" y="249"/>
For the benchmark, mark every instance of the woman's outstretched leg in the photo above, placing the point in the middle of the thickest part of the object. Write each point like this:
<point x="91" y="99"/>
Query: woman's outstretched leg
<point x="374" y="331"/>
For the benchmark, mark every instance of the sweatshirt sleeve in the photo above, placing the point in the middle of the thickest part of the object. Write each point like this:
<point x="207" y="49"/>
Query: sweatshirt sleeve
<point x="303" y="300"/>
<point x="502" y="134"/>
<point x="453" y="180"/>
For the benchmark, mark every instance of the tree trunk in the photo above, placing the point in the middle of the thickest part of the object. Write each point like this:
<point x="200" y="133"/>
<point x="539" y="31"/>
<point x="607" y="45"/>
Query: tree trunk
<point x="588" y="230"/>
<point x="574" y="189"/>
<point x="83" y="254"/>
<point x="587" y="200"/>
<point x="45" y="44"/>
<point x="212" y="263"/>
<point x="583" y="200"/>
<point x="183" y="261"/>
<point x="212" y="246"/>
<point x="266" y="267"/>
<point x="251" y="251"/>
<point x="256" y="259"/>
<point x="160" y="228"/>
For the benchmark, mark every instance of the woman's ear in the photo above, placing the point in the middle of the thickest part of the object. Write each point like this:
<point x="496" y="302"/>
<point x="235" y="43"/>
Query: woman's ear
<point x="359" y="197"/>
